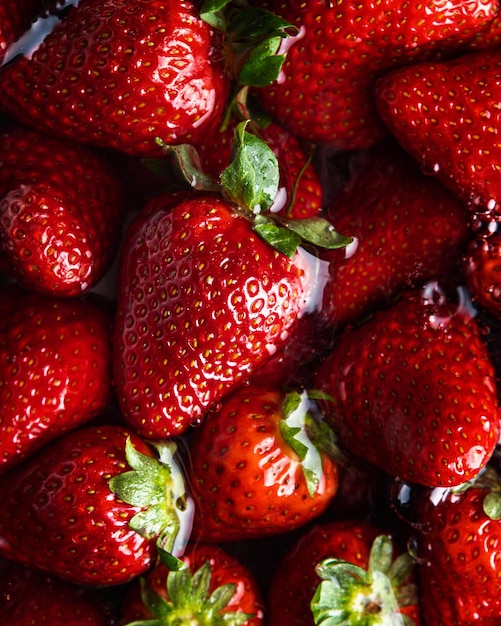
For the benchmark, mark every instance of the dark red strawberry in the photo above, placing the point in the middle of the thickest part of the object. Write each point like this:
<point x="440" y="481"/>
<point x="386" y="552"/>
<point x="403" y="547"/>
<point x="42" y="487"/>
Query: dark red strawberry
<point x="55" y="368"/>
<point x="16" y="17"/>
<point x="324" y="93"/>
<point x="407" y="229"/>
<point x="413" y="390"/>
<point x="91" y="507"/>
<point x="363" y="579"/>
<point x="446" y="115"/>
<point x="482" y="265"/>
<point x="120" y="74"/>
<point x="212" y="586"/>
<point x="28" y="597"/>
<point x="460" y="554"/>
<point x="60" y="213"/>
<point x="259" y="466"/>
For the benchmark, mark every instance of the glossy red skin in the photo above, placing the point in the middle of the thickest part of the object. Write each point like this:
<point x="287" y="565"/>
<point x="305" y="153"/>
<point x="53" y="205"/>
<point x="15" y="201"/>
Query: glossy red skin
<point x="408" y="229"/>
<point x="459" y="552"/>
<point x="28" y="597"/>
<point x="60" y="213"/>
<point x="55" y="368"/>
<point x="430" y="109"/>
<point x="414" y="392"/>
<point x="120" y="51"/>
<point x="325" y="91"/>
<point x="57" y="512"/>
<point x="483" y="272"/>
<point x="225" y="569"/>
<point x="202" y="302"/>
<point x="300" y="192"/>
<point x="247" y="480"/>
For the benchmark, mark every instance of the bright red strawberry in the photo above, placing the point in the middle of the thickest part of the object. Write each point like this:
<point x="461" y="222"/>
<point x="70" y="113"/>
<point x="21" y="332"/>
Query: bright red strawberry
<point x="259" y="466"/>
<point x="352" y="557"/>
<point x="324" y="93"/>
<point x="79" y="508"/>
<point x="60" y="213"/>
<point x="407" y="229"/>
<point x="413" y="390"/>
<point x="119" y="74"/>
<point x="28" y="597"/>
<point x="209" y="573"/>
<point x="482" y="265"/>
<point x="55" y="369"/>
<point x="460" y="554"/>
<point x="203" y="298"/>
<point x="446" y="115"/>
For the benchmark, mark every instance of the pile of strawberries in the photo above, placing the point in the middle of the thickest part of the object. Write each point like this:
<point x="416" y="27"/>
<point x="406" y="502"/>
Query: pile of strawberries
<point x="250" y="295"/>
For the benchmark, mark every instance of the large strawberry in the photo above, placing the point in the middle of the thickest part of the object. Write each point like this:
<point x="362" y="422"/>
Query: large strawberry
<point x="203" y="297"/>
<point x="55" y="369"/>
<point x="324" y="92"/>
<point x="413" y="390"/>
<point x="60" y="212"/>
<point x="446" y="115"/>
<point x="92" y="506"/>
<point x="347" y="570"/>
<point x="407" y="229"/>
<point x="28" y="596"/>
<point x="212" y="587"/>
<point x="260" y="466"/>
<point x="460" y="554"/>
<point x="120" y="74"/>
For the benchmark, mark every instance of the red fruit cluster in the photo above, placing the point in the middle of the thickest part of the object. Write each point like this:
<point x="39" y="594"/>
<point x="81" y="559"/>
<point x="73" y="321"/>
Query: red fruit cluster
<point x="250" y="312"/>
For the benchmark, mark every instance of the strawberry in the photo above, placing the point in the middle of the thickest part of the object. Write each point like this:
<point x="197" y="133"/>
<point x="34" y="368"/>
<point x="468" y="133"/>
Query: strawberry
<point x="203" y="298"/>
<point x="324" y="93"/>
<point x="60" y="211"/>
<point x="91" y="507"/>
<point x="459" y="554"/>
<point x="407" y="229"/>
<point x="343" y="568"/>
<point x="118" y="74"/>
<point x="482" y="265"/>
<point x="28" y="597"/>
<point x="259" y="466"/>
<point x="213" y="587"/>
<point x="413" y="390"/>
<point x="446" y="116"/>
<point x="55" y="368"/>
<point x="16" y="17"/>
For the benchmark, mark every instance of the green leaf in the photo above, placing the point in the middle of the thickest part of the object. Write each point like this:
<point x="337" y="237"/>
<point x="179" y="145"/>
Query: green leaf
<point x="381" y="555"/>
<point x="263" y="64"/>
<point x="318" y="231"/>
<point x="492" y="505"/>
<point x="190" y="167"/>
<point x="282" y="239"/>
<point x="211" y="12"/>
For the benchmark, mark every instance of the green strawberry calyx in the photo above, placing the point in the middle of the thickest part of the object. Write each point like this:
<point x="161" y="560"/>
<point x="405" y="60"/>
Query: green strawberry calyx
<point x="251" y="184"/>
<point x="189" y="600"/>
<point x="155" y="484"/>
<point x="349" y="595"/>
<point x="489" y="480"/>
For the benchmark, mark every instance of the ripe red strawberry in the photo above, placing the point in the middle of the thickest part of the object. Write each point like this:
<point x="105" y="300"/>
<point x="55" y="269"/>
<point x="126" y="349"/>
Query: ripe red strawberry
<point x="55" y="369"/>
<point x="91" y="506"/>
<point x="325" y="91"/>
<point x="259" y="466"/>
<point x="209" y="573"/>
<point x="407" y="229"/>
<point x="28" y="597"/>
<point x="360" y="560"/>
<point x="118" y="74"/>
<point x="459" y="554"/>
<point x="446" y="115"/>
<point x="60" y="210"/>
<point x="413" y="390"/>
<point x="482" y="265"/>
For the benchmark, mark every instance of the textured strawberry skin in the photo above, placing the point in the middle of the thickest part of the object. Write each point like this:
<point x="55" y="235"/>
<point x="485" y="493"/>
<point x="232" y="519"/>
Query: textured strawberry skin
<point x="60" y="210"/>
<point x="460" y="558"/>
<point x="225" y="569"/>
<point x="55" y="368"/>
<point x="413" y="391"/>
<point x="120" y="74"/>
<point x="59" y="515"/>
<point x="325" y="91"/>
<point x="202" y="302"/>
<point x="408" y="229"/>
<point x="247" y="480"/>
<point x="446" y="115"/>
